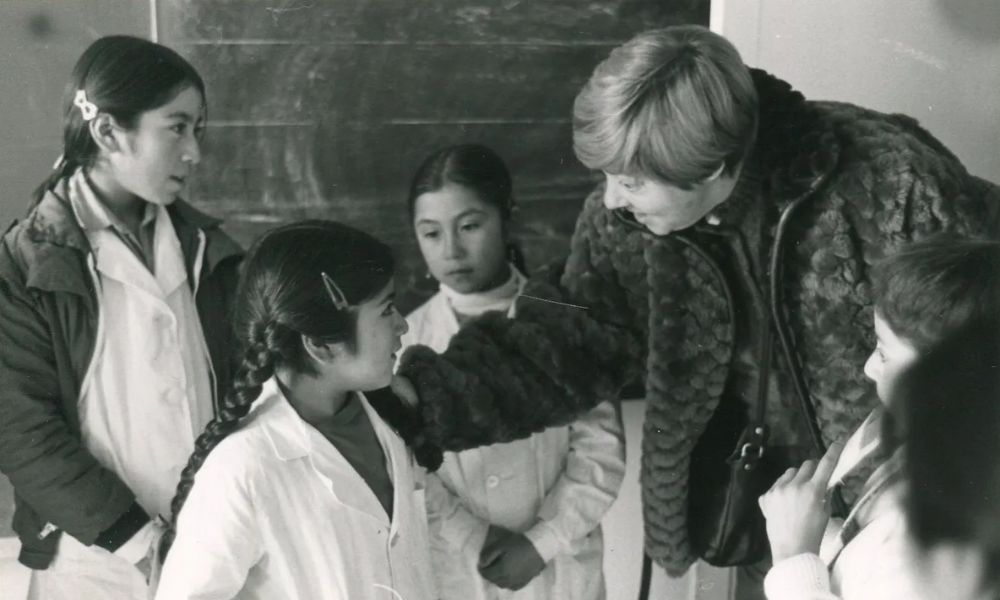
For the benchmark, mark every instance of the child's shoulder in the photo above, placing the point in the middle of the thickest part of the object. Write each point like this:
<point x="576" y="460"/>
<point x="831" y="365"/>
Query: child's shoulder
<point x="245" y="450"/>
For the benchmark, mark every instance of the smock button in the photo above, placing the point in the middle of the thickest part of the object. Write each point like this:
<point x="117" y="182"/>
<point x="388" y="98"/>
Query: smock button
<point x="492" y="481"/>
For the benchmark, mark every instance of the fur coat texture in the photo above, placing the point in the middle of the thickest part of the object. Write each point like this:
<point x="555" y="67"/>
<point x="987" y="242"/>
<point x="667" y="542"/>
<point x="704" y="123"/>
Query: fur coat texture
<point x="857" y="184"/>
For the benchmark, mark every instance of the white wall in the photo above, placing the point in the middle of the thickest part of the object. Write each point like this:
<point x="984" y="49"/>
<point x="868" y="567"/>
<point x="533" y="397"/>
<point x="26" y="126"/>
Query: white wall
<point x="935" y="60"/>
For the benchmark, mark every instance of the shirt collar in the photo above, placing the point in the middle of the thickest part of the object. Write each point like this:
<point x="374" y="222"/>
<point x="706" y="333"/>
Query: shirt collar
<point x="93" y="214"/>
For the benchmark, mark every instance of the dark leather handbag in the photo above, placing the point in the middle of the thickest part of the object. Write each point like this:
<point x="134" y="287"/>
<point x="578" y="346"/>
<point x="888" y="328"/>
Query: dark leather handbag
<point x="731" y="466"/>
<point x="730" y="469"/>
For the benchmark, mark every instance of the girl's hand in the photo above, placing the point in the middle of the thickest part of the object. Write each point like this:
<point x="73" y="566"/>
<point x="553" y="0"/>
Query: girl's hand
<point x="796" y="506"/>
<point x="403" y="388"/>
<point x="511" y="562"/>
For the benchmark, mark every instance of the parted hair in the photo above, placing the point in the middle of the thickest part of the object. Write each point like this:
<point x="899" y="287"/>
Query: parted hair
<point x="934" y="286"/>
<point x="672" y="104"/>
<point x="123" y="76"/>
<point x="476" y="167"/>
<point x="282" y="297"/>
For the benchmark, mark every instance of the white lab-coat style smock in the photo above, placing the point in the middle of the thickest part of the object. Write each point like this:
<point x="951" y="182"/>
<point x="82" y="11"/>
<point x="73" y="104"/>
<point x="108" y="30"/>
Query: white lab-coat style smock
<point x="277" y="512"/>
<point x="877" y="563"/>
<point x="146" y="395"/>
<point x="554" y="487"/>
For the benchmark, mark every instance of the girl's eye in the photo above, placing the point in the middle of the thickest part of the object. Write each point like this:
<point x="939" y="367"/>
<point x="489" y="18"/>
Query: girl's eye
<point x="389" y="309"/>
<point x="471" y="226"/>
<point x="179" y="128"/>
<point x="429" y="235"/>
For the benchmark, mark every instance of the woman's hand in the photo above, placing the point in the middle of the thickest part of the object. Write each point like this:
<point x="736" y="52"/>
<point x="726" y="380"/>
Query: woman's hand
<point x="404" y="389"/>
<point x="796" y="506"/>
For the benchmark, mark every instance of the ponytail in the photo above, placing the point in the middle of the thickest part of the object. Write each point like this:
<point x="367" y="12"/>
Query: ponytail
<point x="61" y="170"/>
<point x="257" y="367"/>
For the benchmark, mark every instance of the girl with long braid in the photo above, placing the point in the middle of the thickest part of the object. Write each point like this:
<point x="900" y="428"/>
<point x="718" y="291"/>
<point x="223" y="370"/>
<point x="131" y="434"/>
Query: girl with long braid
<point x="298" y="489"/>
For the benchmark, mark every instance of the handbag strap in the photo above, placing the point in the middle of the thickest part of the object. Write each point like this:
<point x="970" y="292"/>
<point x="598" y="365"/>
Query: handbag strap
<point x="784" y="336"/>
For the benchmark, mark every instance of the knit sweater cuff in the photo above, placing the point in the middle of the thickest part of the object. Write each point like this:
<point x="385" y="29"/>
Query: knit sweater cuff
<point x="797" y="578"/>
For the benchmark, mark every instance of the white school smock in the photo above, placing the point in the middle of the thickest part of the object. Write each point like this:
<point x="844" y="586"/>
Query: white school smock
<point x="554" y="487"/>
<point x="877" y="563"/>
<point x="145" y="397"/>
<point x="277" y="512"/>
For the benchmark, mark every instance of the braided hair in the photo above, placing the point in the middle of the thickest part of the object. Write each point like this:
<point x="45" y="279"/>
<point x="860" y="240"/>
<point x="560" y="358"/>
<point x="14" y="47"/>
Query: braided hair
<point x="281" y="298"/>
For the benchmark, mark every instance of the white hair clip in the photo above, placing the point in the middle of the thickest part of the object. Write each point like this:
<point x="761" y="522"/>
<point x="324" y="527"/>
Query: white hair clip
<point x="336" y="294"/>
<point x="87" y="108"/>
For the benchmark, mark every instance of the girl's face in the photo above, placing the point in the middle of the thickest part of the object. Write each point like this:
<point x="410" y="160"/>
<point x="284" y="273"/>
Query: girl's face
<point x="369" y="366"/>
<point x="155" y="159"/>
<point x="892" y="355"/>
<point x="461" y="238"/>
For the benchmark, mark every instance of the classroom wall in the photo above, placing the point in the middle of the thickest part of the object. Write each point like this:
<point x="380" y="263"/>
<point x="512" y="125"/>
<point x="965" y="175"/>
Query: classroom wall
<point x="935" y="60"/>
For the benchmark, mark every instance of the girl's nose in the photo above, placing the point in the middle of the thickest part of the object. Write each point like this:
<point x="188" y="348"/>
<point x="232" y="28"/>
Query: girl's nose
<point x="401" y="325"/>
<point x="192" y="151"/>
<point x="452" y="246"/>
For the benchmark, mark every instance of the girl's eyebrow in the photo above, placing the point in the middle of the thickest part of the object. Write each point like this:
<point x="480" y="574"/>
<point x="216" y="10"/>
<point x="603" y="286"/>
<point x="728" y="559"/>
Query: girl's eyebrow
<point x="464" y="213"/>
<point x="180" y="114"/>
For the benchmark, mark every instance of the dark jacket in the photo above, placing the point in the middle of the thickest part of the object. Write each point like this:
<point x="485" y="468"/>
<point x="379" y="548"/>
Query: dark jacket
<point x="48" y="329"/>
<point x="853" y="185"/>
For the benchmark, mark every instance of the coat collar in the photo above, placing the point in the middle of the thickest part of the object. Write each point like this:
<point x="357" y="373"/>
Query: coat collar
<point x="795" y="150"/>
<point x="57" y="242"/>
<point x="283" y="427"/>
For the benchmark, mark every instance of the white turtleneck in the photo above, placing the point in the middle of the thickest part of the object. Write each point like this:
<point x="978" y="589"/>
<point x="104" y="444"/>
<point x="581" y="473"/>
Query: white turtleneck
<point x="499" y="298"/>
<point x="434" y="323"/>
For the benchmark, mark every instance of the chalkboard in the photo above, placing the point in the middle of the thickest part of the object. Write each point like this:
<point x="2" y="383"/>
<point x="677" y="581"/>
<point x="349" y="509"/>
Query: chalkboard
<point x="324" y="108"/>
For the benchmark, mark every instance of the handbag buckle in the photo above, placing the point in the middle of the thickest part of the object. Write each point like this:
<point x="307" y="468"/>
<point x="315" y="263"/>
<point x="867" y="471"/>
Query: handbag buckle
<point x="751" y="448"/>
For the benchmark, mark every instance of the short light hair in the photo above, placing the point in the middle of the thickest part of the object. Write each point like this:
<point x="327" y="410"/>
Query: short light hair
<point x="672" y="104"/>
<point x="932" y="287"/>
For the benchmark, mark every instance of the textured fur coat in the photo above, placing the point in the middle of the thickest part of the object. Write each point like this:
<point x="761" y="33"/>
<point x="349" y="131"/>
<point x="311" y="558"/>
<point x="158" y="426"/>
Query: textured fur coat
<point x="862" y="184"/>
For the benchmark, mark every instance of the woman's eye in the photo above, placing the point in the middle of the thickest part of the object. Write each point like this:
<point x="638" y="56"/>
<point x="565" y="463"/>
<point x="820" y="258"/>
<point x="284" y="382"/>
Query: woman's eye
<point x="470" y="226"/>
<point x="179" y="128"/>
<point x="429" y="235"/>
<point x="389" y="309"/>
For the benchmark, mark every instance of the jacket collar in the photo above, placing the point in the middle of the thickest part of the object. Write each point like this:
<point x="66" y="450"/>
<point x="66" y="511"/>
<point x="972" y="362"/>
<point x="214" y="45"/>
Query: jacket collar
<point x="58" y="240"/>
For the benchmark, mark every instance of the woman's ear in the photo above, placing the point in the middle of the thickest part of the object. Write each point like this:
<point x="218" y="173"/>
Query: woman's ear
<point x="321" y="352"/>
<point x="717" y="173"/>
<point x="105" y="133"/>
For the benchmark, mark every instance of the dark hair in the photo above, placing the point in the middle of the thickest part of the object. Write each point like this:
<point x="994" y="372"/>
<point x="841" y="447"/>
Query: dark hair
<point x="932" y="287"/>
<point x="281" y="297"/>
<point x="476" y="167"/>
<point x="948" y="408"/>
<point x="122" y="76"/>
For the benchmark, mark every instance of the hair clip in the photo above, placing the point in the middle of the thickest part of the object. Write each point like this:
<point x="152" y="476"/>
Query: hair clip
<point x="87" y="108"/>
<point x="336" y="294"/>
